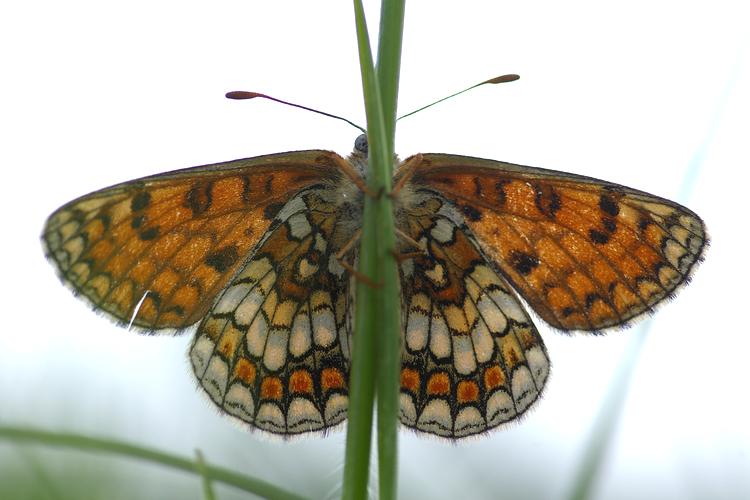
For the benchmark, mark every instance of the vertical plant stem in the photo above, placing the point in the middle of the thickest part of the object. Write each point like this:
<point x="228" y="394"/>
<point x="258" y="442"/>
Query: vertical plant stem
<point x="389" y="63"/>
<point x="389" y="339"/>
<point x="362" y="377"/>
<point x="377" y="317"/>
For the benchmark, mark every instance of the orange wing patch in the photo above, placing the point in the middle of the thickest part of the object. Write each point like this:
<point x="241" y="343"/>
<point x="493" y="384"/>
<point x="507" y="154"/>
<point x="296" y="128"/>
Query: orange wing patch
<point x="585" y="254"/>
<point x="162" y="247"/>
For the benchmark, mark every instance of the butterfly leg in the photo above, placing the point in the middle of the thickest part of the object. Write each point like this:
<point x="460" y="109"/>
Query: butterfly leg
<point x="348" y="246"/>
<point x="408" y="169"/>
<point x="402" y="256"/>
<point x="349" y="171"/>
<point x="408" y="239"/>
<point x="345" y="250"/>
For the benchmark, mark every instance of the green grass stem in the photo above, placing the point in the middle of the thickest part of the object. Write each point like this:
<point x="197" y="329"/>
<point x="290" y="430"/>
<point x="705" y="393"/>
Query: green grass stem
<point x="102" y="445"/>
<point x="376" y="348"/>
<point x="389" y="338"/>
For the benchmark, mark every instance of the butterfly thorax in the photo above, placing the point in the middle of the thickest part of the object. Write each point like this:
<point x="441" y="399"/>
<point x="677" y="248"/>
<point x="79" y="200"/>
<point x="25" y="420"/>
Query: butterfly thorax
<point x="350" y="198"/>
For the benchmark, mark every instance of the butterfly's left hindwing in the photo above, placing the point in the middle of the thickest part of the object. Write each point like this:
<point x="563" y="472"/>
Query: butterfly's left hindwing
<point x="165" y="245"/>
<point x="273" y="350"/>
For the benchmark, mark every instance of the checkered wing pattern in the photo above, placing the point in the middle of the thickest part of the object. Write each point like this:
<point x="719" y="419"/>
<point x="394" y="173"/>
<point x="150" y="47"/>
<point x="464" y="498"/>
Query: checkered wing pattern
<point x="273" y="351"/>
<point x="471" y="359"/>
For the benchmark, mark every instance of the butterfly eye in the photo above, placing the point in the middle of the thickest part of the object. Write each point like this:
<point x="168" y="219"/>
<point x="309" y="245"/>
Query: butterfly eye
<point x="361" y="145"/>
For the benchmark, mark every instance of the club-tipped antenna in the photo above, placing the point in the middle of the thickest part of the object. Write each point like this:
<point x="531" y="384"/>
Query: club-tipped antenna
<point x="244" y="94"/>
<point x="497" y="79"/>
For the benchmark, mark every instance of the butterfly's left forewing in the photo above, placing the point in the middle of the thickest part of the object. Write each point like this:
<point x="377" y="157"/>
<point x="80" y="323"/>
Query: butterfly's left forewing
<point x="158" y="250"/>
<point x="585" y="254"/>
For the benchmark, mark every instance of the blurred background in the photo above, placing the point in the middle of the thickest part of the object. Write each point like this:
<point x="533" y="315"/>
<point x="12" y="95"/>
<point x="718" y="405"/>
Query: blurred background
<point x="652" y="95"/>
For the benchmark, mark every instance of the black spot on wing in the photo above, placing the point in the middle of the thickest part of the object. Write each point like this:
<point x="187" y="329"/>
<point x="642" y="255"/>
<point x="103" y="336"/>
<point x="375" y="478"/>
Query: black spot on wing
<point x="176" y="309"/>
<point x="198" y="199"/>
<point x="140" y="201"/>
<point x="608" y="205"/>
<point x="105" y="219"/>
<point x="547" y="200"/>
<point x="609" y="224"/>
<point x="155" y="298"/>
<point x="471" y="213"/>
<point x="567" y="311"/>
<point x="246" y="189"/>
<point x="477" y="187"/>
<point x="149" y="233"/>
<point x="598" y="237"/>
<point x="591" y="298"/>
<point x="223" y="258"/>
<point x="523" y="262"/>
<point x="500" y="190"/>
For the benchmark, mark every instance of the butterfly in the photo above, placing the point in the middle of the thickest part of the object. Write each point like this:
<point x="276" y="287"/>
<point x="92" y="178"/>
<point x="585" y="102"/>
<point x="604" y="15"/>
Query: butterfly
<point x="257" y="252"/>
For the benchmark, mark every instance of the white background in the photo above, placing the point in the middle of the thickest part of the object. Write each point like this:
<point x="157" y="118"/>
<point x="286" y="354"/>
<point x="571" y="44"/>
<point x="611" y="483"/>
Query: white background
<point x="648" y="94"/>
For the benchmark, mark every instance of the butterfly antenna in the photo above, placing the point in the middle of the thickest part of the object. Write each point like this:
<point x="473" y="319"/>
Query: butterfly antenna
<point x="497" y="79"/>
<point x="243" y="94"/>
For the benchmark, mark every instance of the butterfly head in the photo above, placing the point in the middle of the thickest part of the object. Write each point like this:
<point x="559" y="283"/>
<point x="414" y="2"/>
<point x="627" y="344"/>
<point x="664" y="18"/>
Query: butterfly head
<point x="361" y="145"/>
<point x="358" y="158"/>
